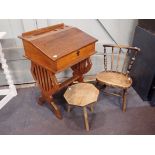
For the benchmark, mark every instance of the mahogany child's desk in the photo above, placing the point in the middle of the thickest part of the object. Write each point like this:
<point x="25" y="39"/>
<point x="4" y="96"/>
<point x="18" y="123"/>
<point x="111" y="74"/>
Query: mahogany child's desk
<point x="54" y="49"/>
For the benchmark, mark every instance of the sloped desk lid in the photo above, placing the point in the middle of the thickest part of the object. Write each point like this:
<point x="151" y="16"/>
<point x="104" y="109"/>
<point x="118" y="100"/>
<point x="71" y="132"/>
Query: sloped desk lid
<point x="59" y="42"/>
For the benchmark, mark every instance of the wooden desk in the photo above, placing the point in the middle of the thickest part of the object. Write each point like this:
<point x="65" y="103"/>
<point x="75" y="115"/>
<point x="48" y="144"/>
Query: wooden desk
<point x="54" y="49"/>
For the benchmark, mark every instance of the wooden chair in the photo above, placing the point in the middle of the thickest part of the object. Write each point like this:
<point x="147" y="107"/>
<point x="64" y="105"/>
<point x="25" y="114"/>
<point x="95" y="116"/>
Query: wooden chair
<point x="118" y="61"/>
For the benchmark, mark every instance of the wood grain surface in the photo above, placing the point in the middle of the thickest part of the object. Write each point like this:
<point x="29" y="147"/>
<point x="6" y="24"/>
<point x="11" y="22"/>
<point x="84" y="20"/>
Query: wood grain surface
<point x="81" y="94"/>
<point x="114" y="79"/>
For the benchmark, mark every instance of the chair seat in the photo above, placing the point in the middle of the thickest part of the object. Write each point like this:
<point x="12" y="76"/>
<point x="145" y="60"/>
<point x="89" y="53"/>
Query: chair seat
<point x="114" y="79"/>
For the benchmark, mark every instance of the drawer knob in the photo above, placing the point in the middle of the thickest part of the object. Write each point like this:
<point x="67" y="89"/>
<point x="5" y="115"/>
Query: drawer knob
<point x="78" y="52"/>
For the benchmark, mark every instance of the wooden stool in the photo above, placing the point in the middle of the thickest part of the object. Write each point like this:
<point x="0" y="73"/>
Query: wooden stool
<point x="82" y="95"/>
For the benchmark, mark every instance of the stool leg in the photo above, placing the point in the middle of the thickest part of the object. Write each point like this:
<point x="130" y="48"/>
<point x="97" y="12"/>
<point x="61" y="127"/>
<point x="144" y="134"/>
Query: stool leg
<point x="86" y="118"/>
<point x="92" y="107"/>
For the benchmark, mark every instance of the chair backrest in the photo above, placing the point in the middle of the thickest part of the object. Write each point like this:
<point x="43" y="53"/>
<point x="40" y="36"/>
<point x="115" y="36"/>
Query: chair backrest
<point x="119" y="58"/>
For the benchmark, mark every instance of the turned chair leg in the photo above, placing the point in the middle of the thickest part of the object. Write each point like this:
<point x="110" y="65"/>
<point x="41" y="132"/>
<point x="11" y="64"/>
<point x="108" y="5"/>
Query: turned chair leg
<point x="68" y="108"/>
<point x="97" y="83"/>
<point x="86" y="118"/>
<point x="124" y="100"/>
<point x="100" y="86"/>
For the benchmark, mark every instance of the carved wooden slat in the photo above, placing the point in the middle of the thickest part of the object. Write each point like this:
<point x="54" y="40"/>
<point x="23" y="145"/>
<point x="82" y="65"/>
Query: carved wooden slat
<point x="125" y="59"/>
<point x="134" y="50"/>
<point x="54" y="85"/>
<point x="37" y="75"/>
<point x="105" y="59"/>
<point x="131" y="62"/>
<point x="112" y="58"/>
<point x="41" y="72"/>
<point x="115" y="78"/>
<point x="118" y="59"/>
<point x="81" y="68"/>
<point x="46" y="80"/>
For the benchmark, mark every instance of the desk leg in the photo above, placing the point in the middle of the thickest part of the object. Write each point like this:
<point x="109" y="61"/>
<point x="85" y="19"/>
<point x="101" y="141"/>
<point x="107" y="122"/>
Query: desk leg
<point x="81" y="68"/>
<point x="48" y="84"/>
<point x="53" y="106"/>
<point x="41" y="100"/>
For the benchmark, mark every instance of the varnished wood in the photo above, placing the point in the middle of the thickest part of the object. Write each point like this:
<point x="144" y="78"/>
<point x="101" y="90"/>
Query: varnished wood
<point x="118" y="59"/>
<point x="105" y="59"/>
<point x="75" y="56"/>
<point x="120" y="49"/>
<point x="61" y="41"/>
<point x="86" y="118"/>
<point x="81" y="68"/>
<point x="114" y="79"/>
<point x="92" y="108"/>
<point x="52" y="50"/>
<point x="43" y="30"/>
<point x="68" y="108"/>
<point x="114" y="76"/>
<point x="108" y="93"/>
<point x="125" y="59"/>
<point x="41" y="100"/>
<point x="124" y="100"/>
<point x="82" y="95"/>
<point x="122" y="46"/>
<point x="112" y="58"/>
<point x="38" y="57"/>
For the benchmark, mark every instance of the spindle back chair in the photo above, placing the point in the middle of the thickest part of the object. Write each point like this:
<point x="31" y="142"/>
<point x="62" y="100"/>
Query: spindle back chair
<point x="118" y="61"/>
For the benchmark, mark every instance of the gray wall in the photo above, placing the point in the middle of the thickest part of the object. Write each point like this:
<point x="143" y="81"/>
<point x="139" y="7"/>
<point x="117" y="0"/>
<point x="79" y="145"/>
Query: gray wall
<point x="121" y="30"/>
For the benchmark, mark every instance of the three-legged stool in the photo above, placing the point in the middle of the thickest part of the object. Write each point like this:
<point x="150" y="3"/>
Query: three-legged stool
<point x="82" y="95"/>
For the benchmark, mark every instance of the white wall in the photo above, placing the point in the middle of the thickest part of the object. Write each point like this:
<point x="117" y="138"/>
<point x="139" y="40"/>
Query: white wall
<point x="121" y="30"/>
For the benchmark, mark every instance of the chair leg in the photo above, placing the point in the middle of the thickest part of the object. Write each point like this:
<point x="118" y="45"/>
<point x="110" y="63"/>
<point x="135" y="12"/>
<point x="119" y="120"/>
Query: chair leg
<point x="86" y="118"/>
<point x="100" y="86"/>
<point x="68" y="108"/>
<point x="124" y="100"/>
<point x="97" y="83"/>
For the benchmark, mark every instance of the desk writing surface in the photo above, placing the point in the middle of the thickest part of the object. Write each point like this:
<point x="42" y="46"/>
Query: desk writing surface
<point x="61" y="42"/>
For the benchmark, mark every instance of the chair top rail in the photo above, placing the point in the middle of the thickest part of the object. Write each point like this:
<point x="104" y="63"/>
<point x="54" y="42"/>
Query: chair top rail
<point x="122" y="46"/>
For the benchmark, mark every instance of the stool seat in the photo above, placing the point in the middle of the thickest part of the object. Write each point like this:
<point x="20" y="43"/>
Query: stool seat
<point x="82" y="94"/>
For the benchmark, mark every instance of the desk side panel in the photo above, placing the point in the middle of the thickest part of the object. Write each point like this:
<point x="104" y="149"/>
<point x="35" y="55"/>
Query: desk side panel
<point x="38" y="57"/>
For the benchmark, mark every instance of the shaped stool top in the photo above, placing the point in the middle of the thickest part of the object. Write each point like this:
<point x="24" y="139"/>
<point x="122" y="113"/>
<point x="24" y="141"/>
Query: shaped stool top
<point x="81" y="94"/>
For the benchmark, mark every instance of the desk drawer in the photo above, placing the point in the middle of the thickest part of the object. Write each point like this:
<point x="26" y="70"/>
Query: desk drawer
<point x="75" y="57"/>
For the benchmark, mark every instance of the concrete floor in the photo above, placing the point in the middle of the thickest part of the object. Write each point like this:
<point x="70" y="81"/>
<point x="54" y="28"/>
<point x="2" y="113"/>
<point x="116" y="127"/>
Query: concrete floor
<point x="22" y="115"/>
